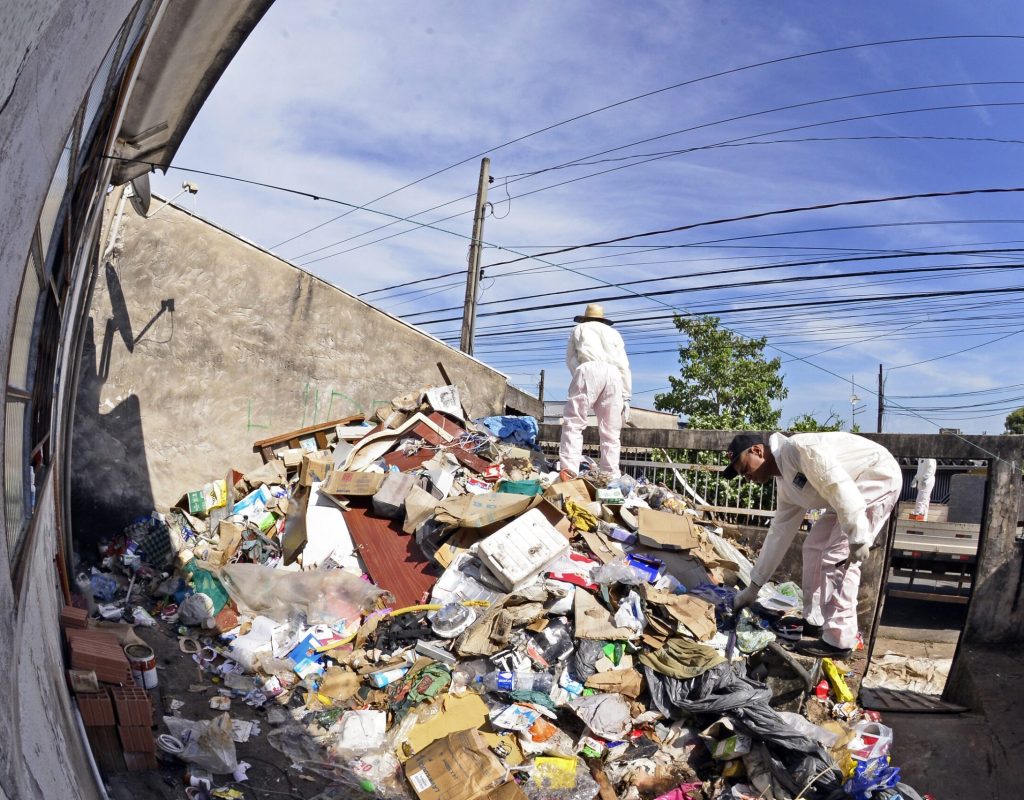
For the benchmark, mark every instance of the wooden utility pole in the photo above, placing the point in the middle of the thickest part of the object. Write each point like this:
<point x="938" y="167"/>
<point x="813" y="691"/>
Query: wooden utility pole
<point x="881" y="398"/>
<point x="540" y="389"/>
<point x="473" y="270"/>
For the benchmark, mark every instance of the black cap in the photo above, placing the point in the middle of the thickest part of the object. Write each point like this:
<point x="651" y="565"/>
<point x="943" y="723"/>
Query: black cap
<point x="737" y="447"/>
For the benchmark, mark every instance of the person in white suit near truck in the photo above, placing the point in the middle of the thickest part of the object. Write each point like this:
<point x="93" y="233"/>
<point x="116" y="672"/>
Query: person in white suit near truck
<point x="858" y="483"/>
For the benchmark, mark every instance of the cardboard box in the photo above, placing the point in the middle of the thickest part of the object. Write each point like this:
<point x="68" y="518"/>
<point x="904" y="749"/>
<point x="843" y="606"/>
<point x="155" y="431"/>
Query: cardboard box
<point x="667" y="531"/>
<point x="353" y="484"/>
<point x="316" y="467"/>
<point x="458" y="767"/>
<point x="578" y="489"/>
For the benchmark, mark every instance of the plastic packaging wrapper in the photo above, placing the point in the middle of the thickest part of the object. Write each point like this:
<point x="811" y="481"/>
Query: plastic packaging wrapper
<point x="750" y="636"/>
<point x="870" y="776"/>
<point x="791" y="758"/>
<point x="208" y="743"/>
<point x="588" y="651"/>
<point x="630" y="613"/>
<point x="322" y="597"/>
<point x="720" y="597"/>
<point x="551" y="780"/>
<point x="195" y="608"/>
<point x="618" y="571"/>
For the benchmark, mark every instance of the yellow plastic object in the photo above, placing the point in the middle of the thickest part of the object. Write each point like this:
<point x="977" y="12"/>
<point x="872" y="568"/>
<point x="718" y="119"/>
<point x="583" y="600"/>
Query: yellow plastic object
<point x="553" y="772"/>
<point x="836" y="681"/>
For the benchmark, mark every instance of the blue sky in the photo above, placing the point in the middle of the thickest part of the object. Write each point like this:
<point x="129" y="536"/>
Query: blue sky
<point x="354" y="101"/>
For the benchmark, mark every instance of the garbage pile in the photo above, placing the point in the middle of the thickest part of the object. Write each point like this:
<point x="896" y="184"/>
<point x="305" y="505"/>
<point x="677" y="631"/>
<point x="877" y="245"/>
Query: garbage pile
<point x="422" y="609"/>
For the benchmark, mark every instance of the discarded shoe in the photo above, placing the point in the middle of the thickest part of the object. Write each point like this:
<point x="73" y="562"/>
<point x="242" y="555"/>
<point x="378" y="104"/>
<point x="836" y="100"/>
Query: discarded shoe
<point x="819" y="648"/>
<point x="810" y="631"/>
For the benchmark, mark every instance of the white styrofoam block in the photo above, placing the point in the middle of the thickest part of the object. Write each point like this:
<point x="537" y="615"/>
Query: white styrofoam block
<point x="522" y="550"/>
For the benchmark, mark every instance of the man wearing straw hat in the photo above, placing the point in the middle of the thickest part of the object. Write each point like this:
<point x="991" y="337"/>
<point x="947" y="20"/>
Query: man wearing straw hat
<point x="601" y="383"/>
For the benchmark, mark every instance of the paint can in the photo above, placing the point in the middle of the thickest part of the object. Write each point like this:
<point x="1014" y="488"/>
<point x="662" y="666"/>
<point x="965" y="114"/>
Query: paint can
<point x="143" y="664"/>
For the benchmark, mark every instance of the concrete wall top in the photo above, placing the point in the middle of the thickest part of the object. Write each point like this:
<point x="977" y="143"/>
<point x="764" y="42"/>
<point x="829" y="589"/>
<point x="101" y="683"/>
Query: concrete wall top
<point x="202" y="343"/>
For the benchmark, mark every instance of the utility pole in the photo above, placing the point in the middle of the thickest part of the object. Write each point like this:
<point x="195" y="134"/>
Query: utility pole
<point x="540" y="389"/>
<point x="881" y="398"/>
<point x="854" y="408"/>
<point x="473" y="271"/>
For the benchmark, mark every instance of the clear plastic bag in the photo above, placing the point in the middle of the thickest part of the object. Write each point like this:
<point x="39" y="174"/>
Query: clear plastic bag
<point x="322" y="597"/>
<point x="618" y="571"/>
<point x="208" y="743"/>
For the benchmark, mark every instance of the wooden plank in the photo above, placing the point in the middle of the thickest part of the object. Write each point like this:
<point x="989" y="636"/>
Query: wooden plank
<point x="392" y="558"/>
<point x="303" y="433"/>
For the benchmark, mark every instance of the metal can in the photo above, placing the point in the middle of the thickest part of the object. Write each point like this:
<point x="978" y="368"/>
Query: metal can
<point x="143" y="664"/>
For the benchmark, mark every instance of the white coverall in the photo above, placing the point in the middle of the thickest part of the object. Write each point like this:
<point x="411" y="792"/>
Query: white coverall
<point x="924" y="480"/>
<point x="858" y="483"/>
<point x="596" y="356"/>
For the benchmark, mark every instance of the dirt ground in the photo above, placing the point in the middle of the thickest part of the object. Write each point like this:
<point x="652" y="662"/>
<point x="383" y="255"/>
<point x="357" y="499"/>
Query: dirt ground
<point x="270" y="774"/>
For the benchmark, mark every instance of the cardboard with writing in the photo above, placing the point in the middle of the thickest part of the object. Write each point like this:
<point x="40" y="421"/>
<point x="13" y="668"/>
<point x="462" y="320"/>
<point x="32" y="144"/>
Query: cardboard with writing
<point x="458" y="767"/>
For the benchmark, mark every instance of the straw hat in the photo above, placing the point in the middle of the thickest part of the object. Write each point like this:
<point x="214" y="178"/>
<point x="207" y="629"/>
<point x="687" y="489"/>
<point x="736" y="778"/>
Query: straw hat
<point x="594" y="313"/>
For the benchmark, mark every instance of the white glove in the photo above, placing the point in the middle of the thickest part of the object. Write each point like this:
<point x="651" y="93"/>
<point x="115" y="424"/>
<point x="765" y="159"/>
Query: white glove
<point x="625" y="412"/>
<point x="858" y="552"/>
<point x="745" y="598"/>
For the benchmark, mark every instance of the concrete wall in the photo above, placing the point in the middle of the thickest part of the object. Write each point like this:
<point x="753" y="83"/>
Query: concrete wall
<point x="52" y="49"/>
<point x="201" y="344"/>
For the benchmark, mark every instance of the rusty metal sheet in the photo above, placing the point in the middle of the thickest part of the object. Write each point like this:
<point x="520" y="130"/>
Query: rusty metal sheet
<point x="392" y="558"/>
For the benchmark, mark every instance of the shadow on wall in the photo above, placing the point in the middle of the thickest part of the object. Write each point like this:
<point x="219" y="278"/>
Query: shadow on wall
<point x="117" y="445"/>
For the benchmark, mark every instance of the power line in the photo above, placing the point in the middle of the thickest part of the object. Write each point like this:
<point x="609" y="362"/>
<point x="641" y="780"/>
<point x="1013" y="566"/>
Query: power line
<point x="679" y="85"/>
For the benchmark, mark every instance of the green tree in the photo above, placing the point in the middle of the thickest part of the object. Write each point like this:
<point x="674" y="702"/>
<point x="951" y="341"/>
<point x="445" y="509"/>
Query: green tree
<point x="1015" y="421"/>
<point x="806" y="423"/>
<point x="725" y="382"/>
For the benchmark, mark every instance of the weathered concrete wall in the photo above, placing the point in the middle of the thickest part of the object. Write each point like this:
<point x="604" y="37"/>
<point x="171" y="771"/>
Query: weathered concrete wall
<point x="202" y="343"/>
<point x="52" y="49"/>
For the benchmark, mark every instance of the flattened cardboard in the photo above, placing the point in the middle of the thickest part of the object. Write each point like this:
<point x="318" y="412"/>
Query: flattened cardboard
<point x="667" y="531"/>
<point x="353" y="484"/>
<point x="480" y="510"/>
<point x="594" y="621"/>
<point x="419" y="507"/>
<point x="576" y="489"/>
<point x="695" y="614"/>
<point x="458" y="767"/>
<point x="464" y="713"/>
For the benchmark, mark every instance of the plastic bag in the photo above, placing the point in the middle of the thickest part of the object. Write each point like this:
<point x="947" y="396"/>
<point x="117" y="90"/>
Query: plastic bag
<point x="618" y="571"/>
<point x="323" y="597"/>
<point x="750" y="636"/>
<point x="208" y="743"/>
<point x="871" y="776"/>
<point x="631" y="613"/>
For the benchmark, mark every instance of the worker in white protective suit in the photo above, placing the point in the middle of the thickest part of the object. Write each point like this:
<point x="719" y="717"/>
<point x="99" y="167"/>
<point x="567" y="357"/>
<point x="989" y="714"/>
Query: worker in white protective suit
<point x="601" y="382"/>
<point x="858" y="483"/>
<point x="924" y="480"/>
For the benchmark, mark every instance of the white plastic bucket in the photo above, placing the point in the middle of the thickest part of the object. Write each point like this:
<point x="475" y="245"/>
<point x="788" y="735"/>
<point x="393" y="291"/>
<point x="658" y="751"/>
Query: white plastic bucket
<point x="143" y="664"/>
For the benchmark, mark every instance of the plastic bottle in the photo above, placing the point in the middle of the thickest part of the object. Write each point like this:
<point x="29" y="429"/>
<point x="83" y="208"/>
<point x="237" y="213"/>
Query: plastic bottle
<point x="517" y="681"/>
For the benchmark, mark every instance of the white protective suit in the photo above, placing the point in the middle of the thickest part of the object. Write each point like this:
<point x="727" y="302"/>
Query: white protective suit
<point x="924" y="480"/>
<point x="858" y="482"/>
<point x="596" y="356"/>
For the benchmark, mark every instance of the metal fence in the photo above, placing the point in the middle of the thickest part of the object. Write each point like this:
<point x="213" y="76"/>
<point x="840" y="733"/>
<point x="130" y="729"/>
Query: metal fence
<point x="695" y="475"/>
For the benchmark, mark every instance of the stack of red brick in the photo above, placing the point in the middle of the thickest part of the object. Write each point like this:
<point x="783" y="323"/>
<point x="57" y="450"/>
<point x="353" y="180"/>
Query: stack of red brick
<point x="118" y="718"/>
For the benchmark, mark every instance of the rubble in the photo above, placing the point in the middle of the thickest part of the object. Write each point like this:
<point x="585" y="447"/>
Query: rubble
<point x="415" y="606"/>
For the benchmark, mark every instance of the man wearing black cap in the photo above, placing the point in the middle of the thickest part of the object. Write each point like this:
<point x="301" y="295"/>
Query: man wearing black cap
<point x="858" y="482"/>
